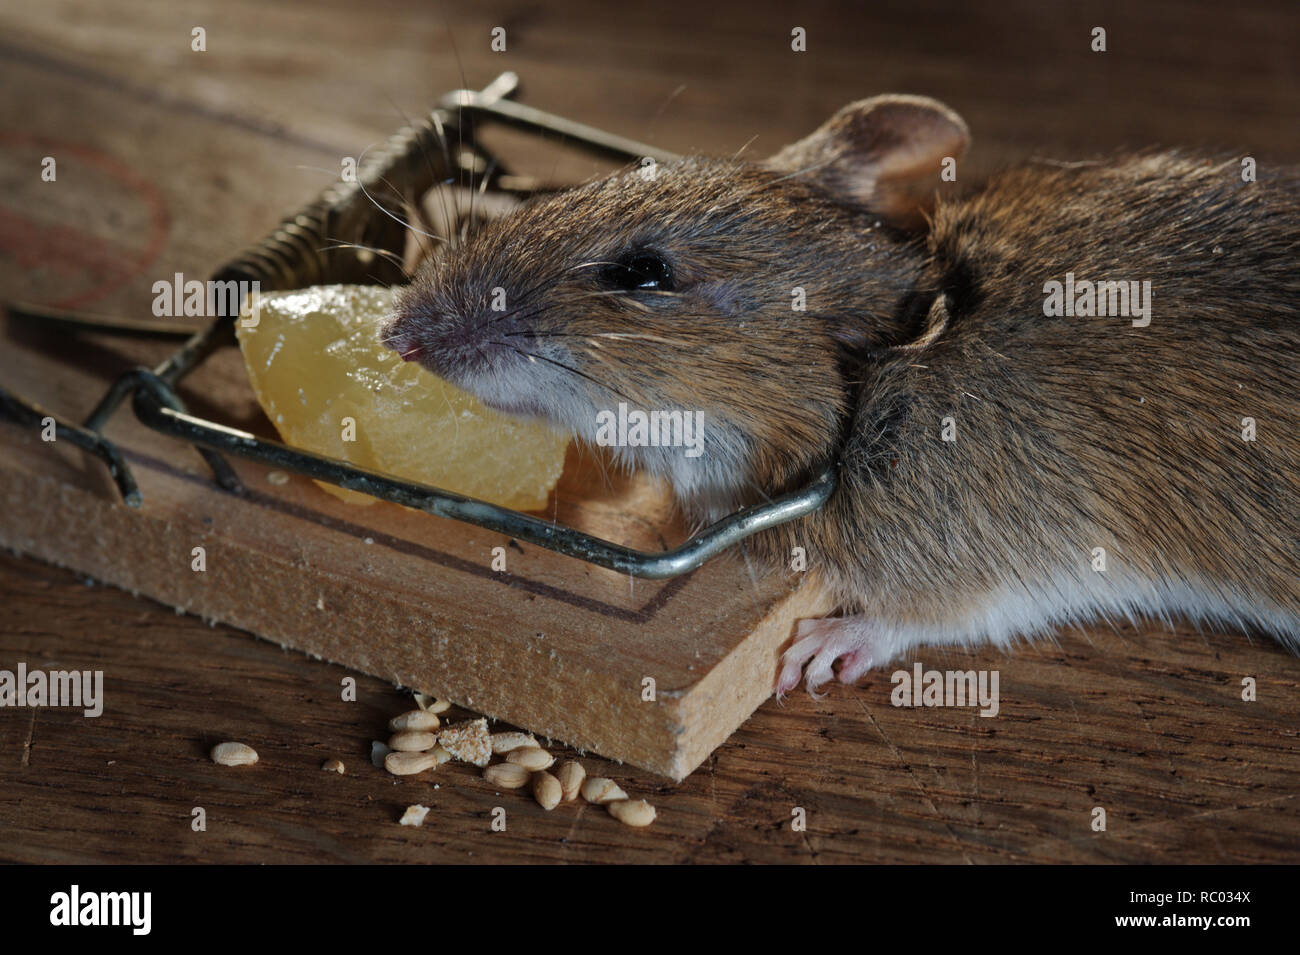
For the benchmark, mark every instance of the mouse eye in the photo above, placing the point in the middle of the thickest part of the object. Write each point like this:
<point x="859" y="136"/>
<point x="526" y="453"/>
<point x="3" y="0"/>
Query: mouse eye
<point x="640" y="270"/>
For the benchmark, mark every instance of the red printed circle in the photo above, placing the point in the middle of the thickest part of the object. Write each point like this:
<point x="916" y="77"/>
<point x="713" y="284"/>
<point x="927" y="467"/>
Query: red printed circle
<point x="67" y="256"/>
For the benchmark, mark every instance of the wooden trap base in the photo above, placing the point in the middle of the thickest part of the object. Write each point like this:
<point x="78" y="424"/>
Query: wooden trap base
<point x="554" y="645"/>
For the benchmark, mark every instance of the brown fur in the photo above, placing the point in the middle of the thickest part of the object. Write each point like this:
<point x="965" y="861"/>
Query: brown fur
<point x="1073" y="433"/>
<point x="768" y="379"/>
<point x="1077" y="433"/>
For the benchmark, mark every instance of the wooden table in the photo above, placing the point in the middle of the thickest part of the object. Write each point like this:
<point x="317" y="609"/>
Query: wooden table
<point x="200" y="152"/>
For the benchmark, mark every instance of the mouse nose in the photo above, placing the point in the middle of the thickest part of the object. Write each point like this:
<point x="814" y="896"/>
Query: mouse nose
<point x="401" y="340"/>
<point x="411" y="352"/>
<point x="452" y="334"/>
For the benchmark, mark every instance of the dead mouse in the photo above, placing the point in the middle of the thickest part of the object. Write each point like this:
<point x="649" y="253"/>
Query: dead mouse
<point x="1068" y="395"/>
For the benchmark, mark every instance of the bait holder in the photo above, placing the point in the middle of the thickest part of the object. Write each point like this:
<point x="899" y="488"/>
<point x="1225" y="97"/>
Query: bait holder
<point x="331" y="241"/>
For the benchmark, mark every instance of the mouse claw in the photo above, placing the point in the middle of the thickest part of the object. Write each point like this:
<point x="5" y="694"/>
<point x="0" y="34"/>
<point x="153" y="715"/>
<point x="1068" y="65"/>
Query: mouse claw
<point x="808" y="643"/>
<point x="822" y="641"/>
<point x="854" y="664"/>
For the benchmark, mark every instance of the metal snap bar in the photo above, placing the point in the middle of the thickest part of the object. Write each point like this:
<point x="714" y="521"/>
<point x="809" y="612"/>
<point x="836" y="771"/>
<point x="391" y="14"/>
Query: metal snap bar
<point x="153" y="397"/>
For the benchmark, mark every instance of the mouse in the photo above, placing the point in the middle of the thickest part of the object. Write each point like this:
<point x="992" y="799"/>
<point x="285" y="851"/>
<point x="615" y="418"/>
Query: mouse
<point x="1063" y="395"/>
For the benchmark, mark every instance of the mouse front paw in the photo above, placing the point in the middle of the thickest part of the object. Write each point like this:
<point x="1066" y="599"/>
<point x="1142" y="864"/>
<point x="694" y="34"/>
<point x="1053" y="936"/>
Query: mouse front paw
<point x="855" y="641"/>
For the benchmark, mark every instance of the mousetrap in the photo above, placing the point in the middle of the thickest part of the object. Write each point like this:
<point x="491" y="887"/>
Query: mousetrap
<point x="566" y="643"/>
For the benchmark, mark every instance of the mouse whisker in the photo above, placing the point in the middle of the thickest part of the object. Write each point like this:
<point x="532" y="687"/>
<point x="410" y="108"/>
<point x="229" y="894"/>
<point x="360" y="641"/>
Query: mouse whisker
<point x="628" y="296"/>
<point x="469" y="223"/>
<point x="440" y="183"/>
<point x="616" y="335"/>
<point x="390" y="256"/>
<point x="749" y="142"/>
<point x="530" y="292"/>
<point x="649" y="338"/>
<point x="398" y="219"/>
<point x="533" y="310"/>
<point x="420" y="212"/>
<point x="559" y="364"/>
<point x="418" y="201"/>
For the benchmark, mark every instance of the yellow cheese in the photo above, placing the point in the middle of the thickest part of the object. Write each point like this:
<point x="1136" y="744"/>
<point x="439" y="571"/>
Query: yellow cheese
<point x="329" y="385"/>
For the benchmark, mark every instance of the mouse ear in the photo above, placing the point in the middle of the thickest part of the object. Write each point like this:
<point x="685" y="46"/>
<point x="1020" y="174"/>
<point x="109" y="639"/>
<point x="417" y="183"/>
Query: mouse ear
<point x="883" y="153"/>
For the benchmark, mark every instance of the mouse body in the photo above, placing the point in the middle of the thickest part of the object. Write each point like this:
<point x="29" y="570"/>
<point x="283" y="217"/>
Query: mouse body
<point x="1065" y="395"/>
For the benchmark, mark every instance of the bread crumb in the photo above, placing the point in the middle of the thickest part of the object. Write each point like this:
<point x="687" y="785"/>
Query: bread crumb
<point x="414" y="815"/>
<point x="468" y="741"/>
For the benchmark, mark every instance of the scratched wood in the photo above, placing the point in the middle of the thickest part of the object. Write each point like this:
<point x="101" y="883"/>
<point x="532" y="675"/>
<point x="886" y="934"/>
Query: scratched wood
<point x="178" y="159"/>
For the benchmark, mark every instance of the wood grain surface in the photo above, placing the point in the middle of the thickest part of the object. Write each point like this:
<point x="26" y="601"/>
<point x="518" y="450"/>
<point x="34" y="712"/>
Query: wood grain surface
<point x="172" y="160"/>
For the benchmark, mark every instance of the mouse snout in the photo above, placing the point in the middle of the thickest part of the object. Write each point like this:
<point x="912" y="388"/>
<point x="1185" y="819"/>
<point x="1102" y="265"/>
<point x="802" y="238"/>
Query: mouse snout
<point x="457" y="344"/>
<point x="403" y="342"/>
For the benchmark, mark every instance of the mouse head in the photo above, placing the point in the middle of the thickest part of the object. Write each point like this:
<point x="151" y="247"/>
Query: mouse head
<point x="735" y="294"/>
